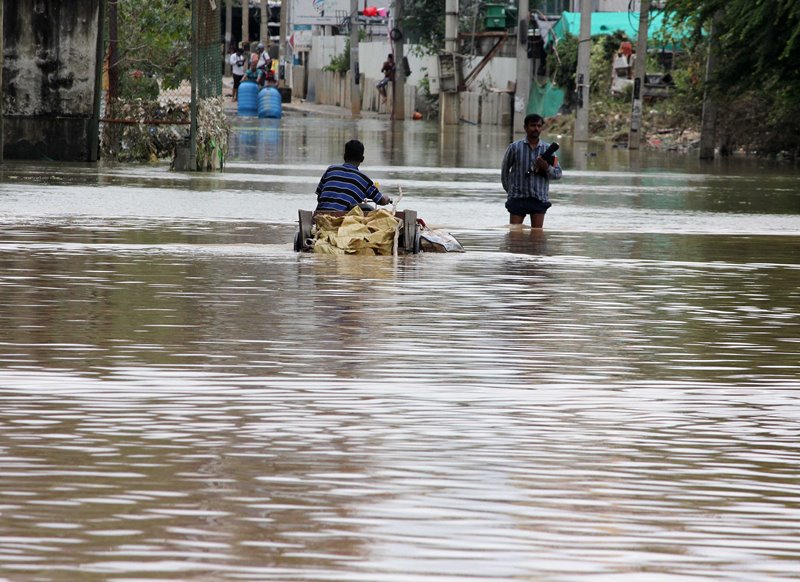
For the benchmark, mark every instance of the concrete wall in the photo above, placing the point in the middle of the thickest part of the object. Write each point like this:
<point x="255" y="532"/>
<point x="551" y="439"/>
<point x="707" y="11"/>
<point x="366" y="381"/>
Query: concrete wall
<point x="49" y="79"/>
<point x="485" y="103"/>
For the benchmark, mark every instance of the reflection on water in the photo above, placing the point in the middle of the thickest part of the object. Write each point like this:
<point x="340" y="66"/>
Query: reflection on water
<point x="184" y="397"/>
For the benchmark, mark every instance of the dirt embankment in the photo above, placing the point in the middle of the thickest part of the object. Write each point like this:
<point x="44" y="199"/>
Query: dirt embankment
<point x="660" y="131"/>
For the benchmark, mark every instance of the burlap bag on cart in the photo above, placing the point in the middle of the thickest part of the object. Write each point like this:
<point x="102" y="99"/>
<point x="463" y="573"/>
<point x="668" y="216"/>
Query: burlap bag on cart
<point x="356" y="233"/>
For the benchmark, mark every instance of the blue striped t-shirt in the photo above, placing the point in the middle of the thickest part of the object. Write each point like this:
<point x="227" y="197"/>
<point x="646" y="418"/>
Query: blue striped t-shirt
<point x="517" y="175"/>
<point x="344" y="186"/>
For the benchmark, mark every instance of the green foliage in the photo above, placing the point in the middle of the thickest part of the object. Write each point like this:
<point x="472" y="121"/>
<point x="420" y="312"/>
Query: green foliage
<point x="423" y="24"/>
<point x="341" y="62"/>
<point x="563" y="62"/>
<point x="137" y="85"/>
<point x="154" y="38"/>
<point x="758" y="40"/>
<point x="758" y="48"/>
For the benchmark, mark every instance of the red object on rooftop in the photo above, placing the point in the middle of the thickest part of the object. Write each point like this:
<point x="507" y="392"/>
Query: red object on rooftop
<point x="371" y="11"/>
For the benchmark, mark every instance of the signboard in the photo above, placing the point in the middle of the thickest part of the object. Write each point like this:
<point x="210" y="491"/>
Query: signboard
<point x="301" y="37"/>
<point x="320" y="12"/>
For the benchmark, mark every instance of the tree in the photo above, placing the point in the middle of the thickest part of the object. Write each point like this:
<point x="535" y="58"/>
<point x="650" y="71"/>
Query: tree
<point x="153" y="38"/>
<point x="423" y="23"/>
<point x="757" y="74"/>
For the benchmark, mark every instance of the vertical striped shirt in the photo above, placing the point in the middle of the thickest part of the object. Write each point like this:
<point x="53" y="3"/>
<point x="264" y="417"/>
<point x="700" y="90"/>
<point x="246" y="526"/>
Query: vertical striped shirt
<point x="517" y="175"/>
<point x="344" y="186"/>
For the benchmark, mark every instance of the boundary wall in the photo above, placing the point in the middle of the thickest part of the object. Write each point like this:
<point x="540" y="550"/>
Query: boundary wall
<point x="487" y="102"/>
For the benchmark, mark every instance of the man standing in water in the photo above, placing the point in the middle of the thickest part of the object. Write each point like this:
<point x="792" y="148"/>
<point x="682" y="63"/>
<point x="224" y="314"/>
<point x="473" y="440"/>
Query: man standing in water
<point x="344" y="186"/>
<point x="526" y="175"/>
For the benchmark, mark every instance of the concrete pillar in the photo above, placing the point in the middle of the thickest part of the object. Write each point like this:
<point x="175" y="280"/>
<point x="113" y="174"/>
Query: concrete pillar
<point x="355" y="82"/>
<point x="51" y="65"/>
<point x="708" y="125"/>
<point x="449" y="102"/>
<point x="639" y="70"/>
<point x="228" y="34"/>
<point x="245" y="21"/>
<point x="2" y="45"/>
<point x="285" y="66"/>
<point x="263" y="35"/>
<point x="523" y="87"/>
<point x="399" y="85"/>
<point x="582" y="80"/>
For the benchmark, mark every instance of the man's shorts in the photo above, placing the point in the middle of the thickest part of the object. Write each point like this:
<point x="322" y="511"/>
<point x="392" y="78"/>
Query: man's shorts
<point x="527" y="205"/>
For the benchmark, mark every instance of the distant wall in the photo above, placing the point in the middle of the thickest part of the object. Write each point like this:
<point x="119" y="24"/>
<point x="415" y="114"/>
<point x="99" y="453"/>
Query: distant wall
<point x="487" y="102"/>
<point x="49" y="78"/>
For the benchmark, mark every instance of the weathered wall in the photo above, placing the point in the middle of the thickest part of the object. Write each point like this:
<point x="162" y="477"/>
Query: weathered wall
<point x="49" y="78"/>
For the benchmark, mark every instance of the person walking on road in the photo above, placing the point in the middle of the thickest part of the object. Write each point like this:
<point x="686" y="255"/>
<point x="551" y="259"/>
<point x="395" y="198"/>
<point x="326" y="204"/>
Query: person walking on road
<point x="237" y="70"/>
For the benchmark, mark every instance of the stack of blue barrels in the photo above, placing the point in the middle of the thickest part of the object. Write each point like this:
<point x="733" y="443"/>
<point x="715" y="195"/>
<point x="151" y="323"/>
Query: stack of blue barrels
<point x="248" y="98"/>
<point x="269" y="103"/>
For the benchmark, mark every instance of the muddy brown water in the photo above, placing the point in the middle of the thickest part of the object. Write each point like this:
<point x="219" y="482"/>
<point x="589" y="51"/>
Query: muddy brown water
<point x="183" y="397"/>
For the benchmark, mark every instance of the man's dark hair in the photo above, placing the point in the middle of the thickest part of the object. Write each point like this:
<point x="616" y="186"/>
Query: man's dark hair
<point x="532" y="117"/>
<point x="354" y="151"/>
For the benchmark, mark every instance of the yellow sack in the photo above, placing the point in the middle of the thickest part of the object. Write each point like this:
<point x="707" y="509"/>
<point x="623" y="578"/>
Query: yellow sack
<point x="356" y="233"/>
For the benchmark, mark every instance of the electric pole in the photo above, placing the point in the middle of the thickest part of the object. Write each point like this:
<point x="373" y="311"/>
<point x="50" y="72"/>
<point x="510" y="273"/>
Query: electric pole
<point x="522" y="91"/>
<point x="228" y="35"/>
<point x="263" y="36"/>
<point x="283" y="62"/>
<point x="246" y="23"/>
<point x="582" y="79"/>
<point x="355" y="82"/>
<point x="449" y="100"/>
<point x="639" y="71"/>
<point x="708" y="124"/>
<point x="399" y="85"/>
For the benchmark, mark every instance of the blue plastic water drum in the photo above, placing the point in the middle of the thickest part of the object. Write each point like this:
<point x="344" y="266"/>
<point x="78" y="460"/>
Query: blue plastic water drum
<point x="248" y="98"/>
<point x="269" y="103"/>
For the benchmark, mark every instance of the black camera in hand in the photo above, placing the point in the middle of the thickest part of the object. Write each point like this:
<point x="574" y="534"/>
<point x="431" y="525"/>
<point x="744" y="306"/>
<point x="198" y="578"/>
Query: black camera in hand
<point x="548" y="156"/>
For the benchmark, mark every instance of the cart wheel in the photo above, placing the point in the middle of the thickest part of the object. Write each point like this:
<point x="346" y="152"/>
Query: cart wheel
<point x="417" y="240"/>
<point x="298" y="242"/>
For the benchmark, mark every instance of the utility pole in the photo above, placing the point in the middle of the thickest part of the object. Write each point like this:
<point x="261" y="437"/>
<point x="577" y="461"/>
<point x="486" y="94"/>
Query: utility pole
<point x="399" y="85"/>
<point x="2" y="44"/>
<point x="449" y="101"/>
<point x="582" y="80"/>
<point x="708" y="124"/>
<point x="195" y="83"/>
<point x="639" y="70"/>
<point x="246" y="22"/>
<point x="263" y="35"/>
<point x="113" y="56"/>
<point x="522" y="92"/>
<point x="355" y="82"/>
<point x="283" y="66"/>
<point x="228" y="34"/>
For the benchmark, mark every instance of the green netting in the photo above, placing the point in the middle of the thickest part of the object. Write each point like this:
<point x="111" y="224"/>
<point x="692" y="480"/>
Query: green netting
<point x="209" y="51"/>
<point x="545" y="99"/>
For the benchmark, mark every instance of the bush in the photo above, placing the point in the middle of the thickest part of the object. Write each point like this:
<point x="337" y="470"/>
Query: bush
<point x="137" y="85"/>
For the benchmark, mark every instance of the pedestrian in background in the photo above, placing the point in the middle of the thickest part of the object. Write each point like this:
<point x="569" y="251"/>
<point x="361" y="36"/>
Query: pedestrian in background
<point x="388" y="75"/>
<point x="237" y="70"/>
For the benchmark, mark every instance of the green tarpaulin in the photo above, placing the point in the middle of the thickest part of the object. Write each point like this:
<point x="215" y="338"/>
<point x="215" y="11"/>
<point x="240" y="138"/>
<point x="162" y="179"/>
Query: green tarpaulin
<point x="661" y="34"/>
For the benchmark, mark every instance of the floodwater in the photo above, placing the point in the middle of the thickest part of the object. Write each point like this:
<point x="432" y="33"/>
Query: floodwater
<point x="183" y="397"/>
